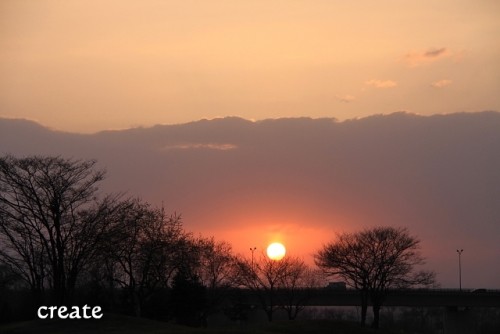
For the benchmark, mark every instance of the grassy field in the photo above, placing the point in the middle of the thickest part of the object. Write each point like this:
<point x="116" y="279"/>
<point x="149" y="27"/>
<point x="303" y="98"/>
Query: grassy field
<point x="129" y="325"/>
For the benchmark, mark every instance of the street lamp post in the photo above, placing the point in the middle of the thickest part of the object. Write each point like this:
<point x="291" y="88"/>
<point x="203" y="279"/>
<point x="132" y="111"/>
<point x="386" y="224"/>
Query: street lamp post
<point x="252" y="249"/>
<point x="460" y="268"/>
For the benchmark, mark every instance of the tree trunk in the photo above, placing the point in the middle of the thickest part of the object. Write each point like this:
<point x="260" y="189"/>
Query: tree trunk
<point x="364" y="307"/>
<point x="269" y="313"/>
<point x="377" y="298"/>
<point x="136" y="304"/>
<point x="271" y="304"/>
<point x="376" y="315"/>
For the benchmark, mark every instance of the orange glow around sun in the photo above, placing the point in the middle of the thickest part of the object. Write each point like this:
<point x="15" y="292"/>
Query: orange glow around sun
<point x="276" y="251"/>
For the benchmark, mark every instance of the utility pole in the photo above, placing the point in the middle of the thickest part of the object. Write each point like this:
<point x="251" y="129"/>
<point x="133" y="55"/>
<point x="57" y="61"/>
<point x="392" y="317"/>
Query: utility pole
<point x="460" y="268"/>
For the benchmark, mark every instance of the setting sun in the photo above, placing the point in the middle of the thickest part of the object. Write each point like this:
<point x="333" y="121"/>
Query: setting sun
<point x="276" y="251"/>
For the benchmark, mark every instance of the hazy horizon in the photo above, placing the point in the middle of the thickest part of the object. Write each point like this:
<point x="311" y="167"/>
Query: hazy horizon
<point x="217" y="118"/>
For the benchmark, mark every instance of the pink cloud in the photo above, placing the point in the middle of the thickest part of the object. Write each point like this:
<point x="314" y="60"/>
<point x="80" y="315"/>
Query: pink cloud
<point x="346" y="98"/>
<point x="381" y="83"/>
<point x="441" y="83"/>
<point x="414" y="59"/>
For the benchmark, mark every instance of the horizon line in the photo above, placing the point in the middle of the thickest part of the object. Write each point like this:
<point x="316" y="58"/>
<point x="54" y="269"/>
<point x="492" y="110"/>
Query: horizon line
<point x="249" y="120"/>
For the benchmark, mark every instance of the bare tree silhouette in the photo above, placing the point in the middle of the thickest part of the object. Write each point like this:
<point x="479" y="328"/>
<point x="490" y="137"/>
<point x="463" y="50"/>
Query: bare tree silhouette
<point x="276" y="283"/>
<point x="296" y="287"/>
<point x="142" y="250"/>
<point x="216" y="268"/>
<point x="50" y="219"/>
<point x="373" y="261"/>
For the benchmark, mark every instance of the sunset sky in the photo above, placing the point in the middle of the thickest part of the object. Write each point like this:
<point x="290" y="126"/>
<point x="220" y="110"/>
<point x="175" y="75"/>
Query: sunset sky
<point x="85" y="66"/>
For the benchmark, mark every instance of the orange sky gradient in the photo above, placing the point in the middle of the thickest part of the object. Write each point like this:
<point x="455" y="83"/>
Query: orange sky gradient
<point x="302" y="181"/>
<point x="85" y="66"/>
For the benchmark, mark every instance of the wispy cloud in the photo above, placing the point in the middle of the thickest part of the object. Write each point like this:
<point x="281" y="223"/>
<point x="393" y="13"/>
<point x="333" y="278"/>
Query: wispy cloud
<point x="345" y="98"/>
<point x="414" y="59"/>
<point x="441" y="83"/>
<point x="210" y="146"/>
<point x="435" y="52"/>
<point x="381" y="83"/>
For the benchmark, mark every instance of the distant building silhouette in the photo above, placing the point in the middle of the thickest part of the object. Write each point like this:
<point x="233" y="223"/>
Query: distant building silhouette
<point x="337" y="285"/>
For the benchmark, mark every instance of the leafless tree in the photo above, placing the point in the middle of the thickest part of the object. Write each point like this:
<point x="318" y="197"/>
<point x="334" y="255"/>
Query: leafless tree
<point x="297" y="287"/>
<point x="373" y="261"/>
<point x="347" y="259"/>
<point x="142" y="253"/>
<point x="216" y="263"/>
<point x="276" y="283"/>
<point x="50" y="219"/>
<point x="216" y="267"/>
<point x="263" y="278"/>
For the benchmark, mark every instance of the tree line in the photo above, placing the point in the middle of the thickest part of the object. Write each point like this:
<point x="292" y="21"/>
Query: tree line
<point x="67" y="242"/>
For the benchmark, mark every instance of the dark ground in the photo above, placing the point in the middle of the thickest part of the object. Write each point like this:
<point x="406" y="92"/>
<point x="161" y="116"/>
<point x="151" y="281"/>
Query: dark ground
<point x="128" y="325"/>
